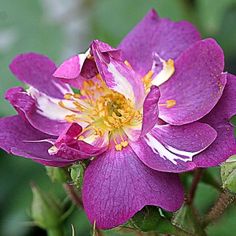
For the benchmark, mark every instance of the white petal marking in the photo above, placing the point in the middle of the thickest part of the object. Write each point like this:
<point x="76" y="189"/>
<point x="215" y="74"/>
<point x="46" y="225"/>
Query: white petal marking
<point x="168" y="152"/>
<point x="122" y="85"/>
<point x="48" y="106"/>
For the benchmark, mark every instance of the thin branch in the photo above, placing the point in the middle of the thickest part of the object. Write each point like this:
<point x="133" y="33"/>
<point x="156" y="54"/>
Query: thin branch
<point x="73" y="194"/>
<point x="224" y="200"/>
<point x="196" y="179"/>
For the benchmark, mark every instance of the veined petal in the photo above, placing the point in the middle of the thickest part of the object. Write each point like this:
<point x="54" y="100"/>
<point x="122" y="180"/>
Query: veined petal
<point x="173" y="148"/>
<point x="20" y="138"/>
<point x="118" y="74"/>
<point x="36" y="70"/>
<point x="219" y="118"/>
<point x="196" y="86"/>
<point x="117" y="185"/>
<point x="155" y="35"/>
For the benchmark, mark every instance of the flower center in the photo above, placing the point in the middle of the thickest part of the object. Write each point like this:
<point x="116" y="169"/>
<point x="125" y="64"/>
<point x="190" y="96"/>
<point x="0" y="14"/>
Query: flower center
<point x="99" y="110"/>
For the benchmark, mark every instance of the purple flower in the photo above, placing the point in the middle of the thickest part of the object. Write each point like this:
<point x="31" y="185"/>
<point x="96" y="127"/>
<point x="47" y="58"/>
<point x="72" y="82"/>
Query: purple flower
<point x="158" y="105"/>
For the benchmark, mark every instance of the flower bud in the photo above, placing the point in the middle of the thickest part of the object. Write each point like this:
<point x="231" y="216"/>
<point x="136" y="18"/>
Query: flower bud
<point x="45" y="211"/>
<point x="228" y="174"/>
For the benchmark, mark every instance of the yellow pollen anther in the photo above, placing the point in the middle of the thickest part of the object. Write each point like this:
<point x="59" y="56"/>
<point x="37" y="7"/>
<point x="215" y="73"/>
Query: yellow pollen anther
<point x="68" y="96"/>
<point x="127" y="64"/>
<point x="124" y="143"/>
<point x="118" y="147"/>
<point x="147" y="79"/>
<point x="169" y="103"/>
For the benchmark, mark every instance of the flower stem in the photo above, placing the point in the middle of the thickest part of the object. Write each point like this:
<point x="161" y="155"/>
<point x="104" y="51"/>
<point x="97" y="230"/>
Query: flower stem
<point x="73" y="194"/>
<point x="224" y="200"/>
<point x="196" y="179"/>
<point x="55" y="232"/>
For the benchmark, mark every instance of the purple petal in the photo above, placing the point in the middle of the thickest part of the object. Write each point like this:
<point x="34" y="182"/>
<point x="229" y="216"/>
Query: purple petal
<point x="118" y="75"/>
<point x="117" y="185"/>
<point x="68" y="146"/>
<point x="150" y="110"/>
<point x="36" y="70"/>
<point x="156" y="35"/>
<point x="196" y="86"/>
<point x="19" y="138"/>
<point x="225" y="144"/>
<point x="172" y="148"/>
<point x="28" y="108"/>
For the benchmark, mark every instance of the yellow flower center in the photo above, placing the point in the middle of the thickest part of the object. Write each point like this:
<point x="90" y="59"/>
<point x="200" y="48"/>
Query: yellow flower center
<point x="101" y="110"/>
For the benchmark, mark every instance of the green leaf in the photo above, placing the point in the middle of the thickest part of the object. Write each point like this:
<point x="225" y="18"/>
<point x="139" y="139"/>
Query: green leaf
<point x="45" y="211"/>
<point x="228" y="174"/>
<point x="151" y="218"/>
<point x="186" y="220"/>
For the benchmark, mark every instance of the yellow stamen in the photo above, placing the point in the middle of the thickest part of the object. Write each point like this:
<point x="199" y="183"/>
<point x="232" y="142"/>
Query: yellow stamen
<point x="127" y="64"/>
<point x="147" y="79"/>
<point x="169" y="103"/>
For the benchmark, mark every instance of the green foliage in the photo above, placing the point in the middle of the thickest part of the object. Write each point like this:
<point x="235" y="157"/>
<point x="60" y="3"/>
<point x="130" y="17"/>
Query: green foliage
<point x="46" y="211"/>
<point x="151" y="219"/>
<point x="228" y="174"/>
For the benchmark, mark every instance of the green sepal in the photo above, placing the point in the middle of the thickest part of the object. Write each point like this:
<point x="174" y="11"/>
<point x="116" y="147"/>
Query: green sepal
<point x="151" y="218"/>
<point x="187" y="221"/>
<point x="228" y="174"/>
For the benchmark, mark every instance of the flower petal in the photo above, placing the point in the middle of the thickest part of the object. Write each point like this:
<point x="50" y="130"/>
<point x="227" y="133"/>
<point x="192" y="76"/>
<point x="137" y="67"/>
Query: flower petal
<point x="172" y="148"/>
<point x="225" y="144"/>
<point x="36" y="70"/>
<point x="117" y="74"/>
<point x="69" y="146"/>
<point x="196" y="86"/>
<point x="41" y="111"/>
<point x="19" y="138"/>
<point x="156" y="35"/>
<point x="150" y="110"/>
<point x="117" y="185"/>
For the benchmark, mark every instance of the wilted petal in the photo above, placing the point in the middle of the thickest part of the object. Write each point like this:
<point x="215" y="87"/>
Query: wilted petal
<point x="117" y="185"/>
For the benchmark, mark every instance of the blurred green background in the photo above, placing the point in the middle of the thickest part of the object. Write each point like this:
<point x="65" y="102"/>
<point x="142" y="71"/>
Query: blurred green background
<point x="60" y="28"/>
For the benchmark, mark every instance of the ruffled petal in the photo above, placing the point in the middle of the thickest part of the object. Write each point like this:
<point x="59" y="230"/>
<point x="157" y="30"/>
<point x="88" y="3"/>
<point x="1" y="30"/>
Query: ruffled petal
<point x="42" y="112"/>
<point x="155" y="35"/>
<point x="150" y="110"/>
<point x="225" y="144"/>
<point x="37" y="70"/>
<point x="173" y="148"/>
<point x="19" y="138"/>
<point x="70" y="146"/>
<point x="117" y="185"/>
<point x="118" y="75"/>
<point x="196" y="86"/>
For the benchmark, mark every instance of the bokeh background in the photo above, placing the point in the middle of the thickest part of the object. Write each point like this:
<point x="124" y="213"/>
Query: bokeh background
<point x="61" y="28"/>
